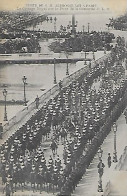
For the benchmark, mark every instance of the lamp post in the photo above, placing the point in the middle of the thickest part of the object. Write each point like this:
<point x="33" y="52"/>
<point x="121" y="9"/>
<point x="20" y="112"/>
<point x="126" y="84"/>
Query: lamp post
<point x="85" y="55"/>
<point x="104" y="47"/>
<point x="85" y="59"/>
<point x="104" y="50"/>
<point x="67" y="70"/>
<point x="83" y="28"/>
<point x="93" y="52"/>
<point x="88" y="27"/>
<point x="115" y="152"/>
<point x="24" y="82"/>
<point x="5" y="112"/>
<point x="55" y="71"/>
<point x="67" y="55"/>
<point x="100" y="169"/>
<point x="55" y="19"/>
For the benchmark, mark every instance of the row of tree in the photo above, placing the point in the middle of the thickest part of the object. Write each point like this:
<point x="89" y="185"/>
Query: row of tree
<point x="84" y="42"/>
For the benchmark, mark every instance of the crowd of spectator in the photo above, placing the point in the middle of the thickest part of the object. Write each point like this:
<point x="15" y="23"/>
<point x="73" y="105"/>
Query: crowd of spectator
<point x="17" y="20"/>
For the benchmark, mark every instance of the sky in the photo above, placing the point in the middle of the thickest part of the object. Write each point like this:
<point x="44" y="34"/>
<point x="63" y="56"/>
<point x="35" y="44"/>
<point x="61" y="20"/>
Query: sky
<point x="118" y="7"/>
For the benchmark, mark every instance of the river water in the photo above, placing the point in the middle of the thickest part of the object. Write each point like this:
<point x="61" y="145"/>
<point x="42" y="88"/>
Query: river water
<point x="41" y="76"/>
<point x="97" y="22"/>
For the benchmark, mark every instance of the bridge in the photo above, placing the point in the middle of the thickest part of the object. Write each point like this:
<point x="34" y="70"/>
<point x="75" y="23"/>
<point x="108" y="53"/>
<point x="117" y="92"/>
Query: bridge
<point x="39" y="58"/>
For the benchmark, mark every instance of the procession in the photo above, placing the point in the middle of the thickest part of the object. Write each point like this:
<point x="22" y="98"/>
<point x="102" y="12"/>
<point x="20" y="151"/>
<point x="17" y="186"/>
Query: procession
<point x="51" y="152"/>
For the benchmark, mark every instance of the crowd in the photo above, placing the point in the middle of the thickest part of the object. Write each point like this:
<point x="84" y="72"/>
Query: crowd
<point x="18" y="20"/>
<point x="75" y="115"/>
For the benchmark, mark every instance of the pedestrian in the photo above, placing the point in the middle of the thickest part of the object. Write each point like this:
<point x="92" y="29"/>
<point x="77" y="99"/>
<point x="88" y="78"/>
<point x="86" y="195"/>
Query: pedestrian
<point x="100" y="168"/>
<point x="109" y="160"/>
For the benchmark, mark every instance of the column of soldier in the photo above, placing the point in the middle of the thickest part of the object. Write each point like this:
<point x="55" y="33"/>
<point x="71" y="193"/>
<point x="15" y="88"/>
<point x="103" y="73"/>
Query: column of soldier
<point x="75" y="115"/>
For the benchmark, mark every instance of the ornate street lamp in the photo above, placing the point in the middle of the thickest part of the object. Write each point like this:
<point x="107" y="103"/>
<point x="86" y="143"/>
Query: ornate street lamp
<point x="104" y="48"/>
<point x="88" y="27"/>
<point x="67" y="55"/>
<point x="85" y="59"/>
<point x="85" y="55"/>
<point x="67" y="68"/>
<point x="55" y="26"/>
<point x="55" y="19"/>
<point x="83" y="28"/>
<point x="5" y="112"/>
<point x="100" y="169"/>
<point x="115" y="152"/>
<point x="55" y="71"/>
<point x="93" y="52"/>
<point x="24" y="82"/>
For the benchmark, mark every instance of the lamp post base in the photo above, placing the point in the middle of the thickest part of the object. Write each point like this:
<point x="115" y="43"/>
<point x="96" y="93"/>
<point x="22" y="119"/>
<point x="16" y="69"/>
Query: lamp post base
<point x="55" y="82"/>
<point x="100" y="188"/>
<point x="25" y="104"/>
<point x="67" y="73"/>
<point x="100" y="185"/>
<point x="5" y="117"/>
<point x="85" y="63"/>
<point x="115" y="157"/>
